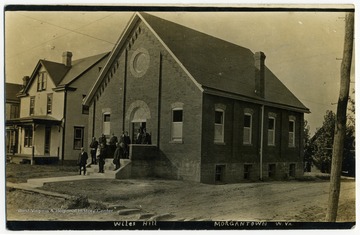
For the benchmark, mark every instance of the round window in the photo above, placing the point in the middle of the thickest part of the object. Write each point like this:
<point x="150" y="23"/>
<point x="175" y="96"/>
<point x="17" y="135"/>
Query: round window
<point x="140" y="61"/>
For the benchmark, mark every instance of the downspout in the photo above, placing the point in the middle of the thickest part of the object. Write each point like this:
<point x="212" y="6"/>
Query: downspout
<point x="159" y="100"/>
<point x="64" y="122"/>
<point x="124" y="94"/>
<point x="93" y="118"/>
<point x="261" y="141"/>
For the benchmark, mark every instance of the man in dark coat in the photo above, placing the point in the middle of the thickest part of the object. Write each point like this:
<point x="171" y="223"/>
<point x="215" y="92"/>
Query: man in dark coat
<point x="94" y="145"/>
<point x="125" y="138"/>
<point x="101" y="158"/>
<point x="113" y="141"/>
<point x="83" y="156"/>
<point x="119" y="152"/>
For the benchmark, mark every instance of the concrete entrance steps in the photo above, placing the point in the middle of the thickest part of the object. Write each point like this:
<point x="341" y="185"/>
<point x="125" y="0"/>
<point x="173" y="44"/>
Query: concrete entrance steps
<point x="109" y="169"/>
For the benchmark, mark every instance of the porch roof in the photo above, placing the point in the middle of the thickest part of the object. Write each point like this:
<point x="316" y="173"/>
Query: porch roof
<point x="34" y="120"/>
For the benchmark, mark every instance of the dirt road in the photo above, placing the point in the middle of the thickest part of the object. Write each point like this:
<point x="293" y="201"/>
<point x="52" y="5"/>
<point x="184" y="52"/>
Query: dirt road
<point x="179" y="200"/>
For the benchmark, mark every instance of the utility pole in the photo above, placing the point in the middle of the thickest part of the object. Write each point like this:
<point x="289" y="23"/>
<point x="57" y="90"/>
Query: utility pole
<point x="340" y="124"/>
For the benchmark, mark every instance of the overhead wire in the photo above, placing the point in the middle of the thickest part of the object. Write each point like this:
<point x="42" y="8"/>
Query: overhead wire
<point x="63" y="35"/>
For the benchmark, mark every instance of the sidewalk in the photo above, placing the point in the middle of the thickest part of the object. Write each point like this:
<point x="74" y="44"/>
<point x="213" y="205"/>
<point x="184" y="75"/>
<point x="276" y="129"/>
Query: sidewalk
<point x="39" y="182"/>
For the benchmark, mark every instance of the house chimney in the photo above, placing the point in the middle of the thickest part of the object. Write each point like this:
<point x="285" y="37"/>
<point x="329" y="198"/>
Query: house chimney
<point x="66" y="58"/>
<point x="25" y="81"/>
<point x="260" y="73"/>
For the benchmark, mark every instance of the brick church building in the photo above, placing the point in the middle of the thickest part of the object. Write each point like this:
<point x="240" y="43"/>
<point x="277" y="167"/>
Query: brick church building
<point x="215" y="112"/>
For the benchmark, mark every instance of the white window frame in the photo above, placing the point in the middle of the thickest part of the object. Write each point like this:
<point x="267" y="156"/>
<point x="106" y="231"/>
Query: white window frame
<point x="177" y="126"/>
<point x="249" y="129"/>
<point x="106" y="124"/>
<point x="32" y="106"/>
<point x="49" y="104"/>
<point x="273" y="131"/>
<point x="81" y="139"/>
<point x="292" y="133"/>
<point x="28" y="137"/>
<point x="219" y="139"/>
<point x="41" y="82"/>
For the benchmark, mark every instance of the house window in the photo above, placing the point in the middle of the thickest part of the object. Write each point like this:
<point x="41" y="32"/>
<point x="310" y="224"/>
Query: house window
<point x="292" y="170"/>
<point x="78" y="137"/>
<point x="219" y="126"/>
<point x="49" y="103"/>
<point x="271" y="131"/>
<point x="106" y="124"/>
<point x="247" y="171"/>
<point x="41" y="83"/>
<point x="247" y="128"/>
<point x="14" y="111"/>
<point x="32" y="105"/>
<point x="177" y="125"/>
<point x="271" y="170"/>
<point x="28" y="137"/>
<point x="291" y="133"/>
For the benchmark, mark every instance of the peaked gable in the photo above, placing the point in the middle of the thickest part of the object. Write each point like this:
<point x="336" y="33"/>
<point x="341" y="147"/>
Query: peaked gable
<point x="62" y="75"/>
<point x="209" y="61"/>
<point x="218" y="64"/>
<point x="55" y="70"/>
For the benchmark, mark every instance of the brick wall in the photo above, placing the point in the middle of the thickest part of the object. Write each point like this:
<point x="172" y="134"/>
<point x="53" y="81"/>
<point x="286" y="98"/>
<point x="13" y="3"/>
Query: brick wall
<point x="156" y="90"/>
<point x="233" y="154"/>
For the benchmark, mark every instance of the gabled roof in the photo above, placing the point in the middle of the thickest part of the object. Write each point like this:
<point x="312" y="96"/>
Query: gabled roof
<point x="11" y="89"/>
<point x="62" y="75"/>
<point x="212" y="63"/>
<point x="56" y="70"/>
<point x="218" y="64"/>
<point x="80" y="66"/>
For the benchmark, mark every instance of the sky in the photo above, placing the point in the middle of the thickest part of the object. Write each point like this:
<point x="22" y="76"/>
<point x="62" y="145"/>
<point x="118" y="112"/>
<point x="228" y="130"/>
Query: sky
<point x="303" y="49"/>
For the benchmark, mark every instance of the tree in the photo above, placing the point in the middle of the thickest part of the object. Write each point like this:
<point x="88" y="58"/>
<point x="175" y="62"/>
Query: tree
<point x="318" y="149"/>
<point x="308" y="148"/>
<point x="323" y="141"/>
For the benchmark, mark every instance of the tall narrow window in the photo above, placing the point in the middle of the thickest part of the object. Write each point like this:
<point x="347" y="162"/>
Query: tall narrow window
<point x="247" y="128"/>
<point x="271" y="131"/>
<point x="32" y="105"/>
<point x="177" y="125"/>
<point x="41" y="83"/>
<point x="291" y="133"/>
<point x="78" y="137"/>
<point x="106" y="124"/>
<point x="49" y="103"/>
<point x="219" y="126"/>
<point x="28" y="137"/>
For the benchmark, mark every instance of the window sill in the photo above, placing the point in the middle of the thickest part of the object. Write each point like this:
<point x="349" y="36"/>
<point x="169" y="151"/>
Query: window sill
<point x="247" y="144"/>
<point x="176" y="142"/>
